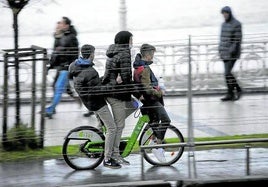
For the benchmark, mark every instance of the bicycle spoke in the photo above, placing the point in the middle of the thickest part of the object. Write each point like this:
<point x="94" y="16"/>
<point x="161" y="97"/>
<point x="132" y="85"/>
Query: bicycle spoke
<point x="163" y="156"/>
<point x="80" y="153"/>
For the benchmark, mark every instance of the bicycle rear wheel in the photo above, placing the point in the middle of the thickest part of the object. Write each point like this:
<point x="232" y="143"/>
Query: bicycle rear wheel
<point x="83" y="148"/>
<point x="162" y="156"/>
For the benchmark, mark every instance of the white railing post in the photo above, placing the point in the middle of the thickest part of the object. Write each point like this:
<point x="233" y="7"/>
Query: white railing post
<point x="123" y="15"/>
<point x="191" y="156"/>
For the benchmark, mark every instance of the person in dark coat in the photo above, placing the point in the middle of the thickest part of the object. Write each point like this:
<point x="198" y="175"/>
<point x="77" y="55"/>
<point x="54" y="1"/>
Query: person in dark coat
<point x="230" y="50"/>
<point x="118" y="70"/>
<point x="88" y="85"/>
<point x="65" y="51"/>
<point x="118" y="73"/>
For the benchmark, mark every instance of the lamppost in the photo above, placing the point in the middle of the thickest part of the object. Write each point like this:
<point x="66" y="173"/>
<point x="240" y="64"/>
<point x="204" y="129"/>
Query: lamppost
<point x="123" y="15"/>
<point x="16" y="6"/>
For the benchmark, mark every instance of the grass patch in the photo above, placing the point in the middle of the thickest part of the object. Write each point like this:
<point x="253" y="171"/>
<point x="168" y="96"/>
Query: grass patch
<point x="232" y="146"/>
<point x="235" y="137"/>
<point x="29" y="154"/>
<point x="55" y="151"/>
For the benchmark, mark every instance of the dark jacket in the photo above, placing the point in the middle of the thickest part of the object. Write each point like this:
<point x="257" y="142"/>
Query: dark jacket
<point x="231" y="37"/>
<point x="87" y="84"/>
<point x="119" y="63"/>
<point x="146" y="80"/>
<point x="65" y="50"/>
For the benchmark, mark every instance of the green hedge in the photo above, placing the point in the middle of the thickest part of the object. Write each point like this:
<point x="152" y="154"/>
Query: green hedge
<point x="21" y="138"/>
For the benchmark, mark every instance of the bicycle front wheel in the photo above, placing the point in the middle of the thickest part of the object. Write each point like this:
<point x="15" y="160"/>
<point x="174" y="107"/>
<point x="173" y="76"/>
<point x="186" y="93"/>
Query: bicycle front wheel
<point x="83" y="148"/>
<point x="162" y="156"/>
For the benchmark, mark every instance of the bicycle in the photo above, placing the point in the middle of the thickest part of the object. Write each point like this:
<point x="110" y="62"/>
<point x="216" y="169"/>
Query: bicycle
<point x="83" y="147"/>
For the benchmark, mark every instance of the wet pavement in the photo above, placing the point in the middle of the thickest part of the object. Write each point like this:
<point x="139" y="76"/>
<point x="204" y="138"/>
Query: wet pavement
<point x="210" y="164"/>
<point x="211" y="117"/>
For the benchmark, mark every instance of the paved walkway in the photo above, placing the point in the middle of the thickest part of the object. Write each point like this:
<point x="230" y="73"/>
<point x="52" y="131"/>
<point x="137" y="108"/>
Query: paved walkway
<point x="211" y="117"/>
<point x="212" y="164"/>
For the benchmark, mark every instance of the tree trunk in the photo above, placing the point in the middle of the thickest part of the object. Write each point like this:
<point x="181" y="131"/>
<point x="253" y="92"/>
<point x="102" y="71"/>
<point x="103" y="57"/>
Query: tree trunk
<point x="17" y="80"/>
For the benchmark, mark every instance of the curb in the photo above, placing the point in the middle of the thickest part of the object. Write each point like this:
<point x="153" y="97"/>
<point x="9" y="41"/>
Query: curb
<point x="67" y="98"/>
<point x="156" y="183"/>
<point x="249" y="181"/>
<point x="231" y="182"/>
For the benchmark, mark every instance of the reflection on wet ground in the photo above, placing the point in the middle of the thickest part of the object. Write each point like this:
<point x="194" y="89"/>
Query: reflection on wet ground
<point x="210" y="164"/>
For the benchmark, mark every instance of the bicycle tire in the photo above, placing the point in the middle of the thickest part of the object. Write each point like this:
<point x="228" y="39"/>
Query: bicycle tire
<point x="68" y="158"/>
<point x="148" y="153"/>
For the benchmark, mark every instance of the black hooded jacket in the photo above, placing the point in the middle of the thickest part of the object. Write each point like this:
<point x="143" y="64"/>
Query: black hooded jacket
<point x="119" y="63"/>
<point x="65" y="50"/>
<point x="87" y="84"/>
<point x="231" y="37"/>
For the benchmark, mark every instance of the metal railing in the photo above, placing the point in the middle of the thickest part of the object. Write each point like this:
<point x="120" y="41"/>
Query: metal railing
<point x="205" y="143"/>
<point x="37" y="58"/>
<point x="171" y="63"/>
<point x="192" y="77"/>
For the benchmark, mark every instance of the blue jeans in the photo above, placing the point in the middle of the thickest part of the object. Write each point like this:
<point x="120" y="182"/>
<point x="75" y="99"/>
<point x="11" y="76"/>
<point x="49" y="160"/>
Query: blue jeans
<point x="60" y="87"/>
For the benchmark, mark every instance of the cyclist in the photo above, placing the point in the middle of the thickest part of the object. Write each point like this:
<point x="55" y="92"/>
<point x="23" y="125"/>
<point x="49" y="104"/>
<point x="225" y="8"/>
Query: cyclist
<point x="88" y="86"/>
<point x="153" y="104"/>
<point x="118" y="73"/>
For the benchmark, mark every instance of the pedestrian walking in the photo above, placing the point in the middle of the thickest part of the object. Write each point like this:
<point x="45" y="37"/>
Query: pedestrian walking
<point x="65" y="51"/>
<point x="230" y="50"/>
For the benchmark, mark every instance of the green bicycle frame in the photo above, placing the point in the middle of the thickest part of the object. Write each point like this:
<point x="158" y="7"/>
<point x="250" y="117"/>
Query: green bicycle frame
<point x="135" y="134"/>
<point x="130" y="141"/>
<point x="94" y="150"/>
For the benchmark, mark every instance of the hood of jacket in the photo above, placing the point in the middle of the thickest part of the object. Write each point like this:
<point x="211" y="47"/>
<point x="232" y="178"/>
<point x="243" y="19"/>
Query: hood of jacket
<point x="139" y="65"/>
<point x="122" y="37"/>
<point x="114" y="49"/>
<point x="228" y="10"/>
<point x="139" y="62"/>
<point x="79" y="65"/>
<point x="71" y="30"/>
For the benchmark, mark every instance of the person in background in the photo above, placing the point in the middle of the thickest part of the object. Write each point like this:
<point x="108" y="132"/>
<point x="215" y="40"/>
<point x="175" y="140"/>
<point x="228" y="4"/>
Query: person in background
<point x="118" y="73"/>
<point x="88" y="86"/>
<point x="65" y="51"/>
<point x="230" y="50"/>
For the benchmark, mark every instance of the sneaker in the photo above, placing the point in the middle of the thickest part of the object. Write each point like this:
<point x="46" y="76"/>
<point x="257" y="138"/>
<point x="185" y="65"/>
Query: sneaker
<point x="228" y="97"/>
<point x="159" y="153"/>
<point x="111" y="163"/>
<point x="48" y="115"/>
<point x="121" y="160"/>
<point x="238" y="95"/>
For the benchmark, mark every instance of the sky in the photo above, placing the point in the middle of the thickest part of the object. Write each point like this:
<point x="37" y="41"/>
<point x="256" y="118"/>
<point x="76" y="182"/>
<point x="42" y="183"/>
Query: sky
<point x="150" y="20"/>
